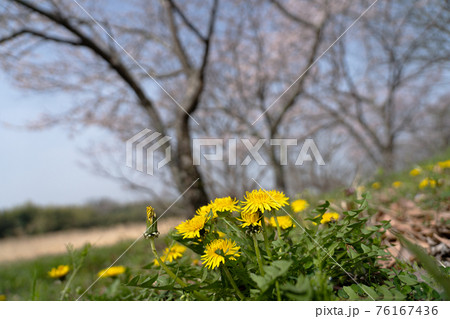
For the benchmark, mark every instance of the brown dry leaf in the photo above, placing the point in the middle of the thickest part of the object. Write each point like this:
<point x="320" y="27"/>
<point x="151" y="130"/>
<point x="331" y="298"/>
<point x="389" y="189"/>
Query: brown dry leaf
<point x="442" y="240"/>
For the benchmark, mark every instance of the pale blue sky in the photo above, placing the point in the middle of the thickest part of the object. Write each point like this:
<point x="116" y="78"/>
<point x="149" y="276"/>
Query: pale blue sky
<point x="44" y="166"/>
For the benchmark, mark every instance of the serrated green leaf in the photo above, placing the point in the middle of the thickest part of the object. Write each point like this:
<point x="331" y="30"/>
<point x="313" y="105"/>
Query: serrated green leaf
<point x="369" y="291"/>
<point x="387" y="295"/>
<point x="260" y="281"/>
<point x="352" y="253"/>
<point x="365" y="248"/>
<point x="352" y="213"/>
<point x="282" y="265"/>
<point x="407" y="279"/>
<point x="351" y="293"/>
<point x="148" y="283"/>
<point x="398" y="295"/>
<point x="134" y="281"/>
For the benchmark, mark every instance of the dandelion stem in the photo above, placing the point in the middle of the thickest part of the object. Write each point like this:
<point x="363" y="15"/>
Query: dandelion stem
<point x="277" y="288"/>
<point x="269" y="252"/>
<point x="170" y="273"/>
<point x="69" y="282"/>
<point x="266" y="240"/>
<point x="258" y="255"/>
<point x="233" y="283"/>
<point x="163" y="265"/>
<point x="278" y="225"/>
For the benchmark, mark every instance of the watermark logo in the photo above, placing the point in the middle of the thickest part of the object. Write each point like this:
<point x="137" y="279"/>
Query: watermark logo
<point x="307" y="149"/>
<point x="143" y="146"/>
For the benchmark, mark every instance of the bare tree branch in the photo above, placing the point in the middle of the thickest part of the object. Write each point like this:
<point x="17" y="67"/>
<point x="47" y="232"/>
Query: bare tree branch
<point x="292" y="16"/>
<point x="188" y="23"/>
<point x="39" y="34"/>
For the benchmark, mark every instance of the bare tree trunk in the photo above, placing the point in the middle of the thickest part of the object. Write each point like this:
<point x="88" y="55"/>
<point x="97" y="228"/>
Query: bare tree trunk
<point x="187" y="175"/>
<point x="278" y="169"/>
<point x="188" y="178"/>
<point x="389" y="156"/>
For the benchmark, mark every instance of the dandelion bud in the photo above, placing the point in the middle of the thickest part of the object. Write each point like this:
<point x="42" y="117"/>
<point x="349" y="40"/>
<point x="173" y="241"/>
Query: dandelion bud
<point x="152" y="225"/>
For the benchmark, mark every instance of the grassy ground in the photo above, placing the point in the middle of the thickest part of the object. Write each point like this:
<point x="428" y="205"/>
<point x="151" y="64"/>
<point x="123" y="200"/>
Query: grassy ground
<point x="18" y="278"/>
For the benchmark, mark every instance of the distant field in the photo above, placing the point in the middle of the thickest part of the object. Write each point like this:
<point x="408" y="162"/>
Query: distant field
<point x="30" y="219"/>
<point x="29" y="247"/>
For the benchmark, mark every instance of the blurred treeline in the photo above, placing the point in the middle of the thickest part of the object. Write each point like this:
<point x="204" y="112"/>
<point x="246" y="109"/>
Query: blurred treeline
<point x="31" y="219"/>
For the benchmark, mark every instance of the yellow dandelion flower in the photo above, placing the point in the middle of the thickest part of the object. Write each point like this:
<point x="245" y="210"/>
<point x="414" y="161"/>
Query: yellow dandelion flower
<point x="329" y="217"/>
<point x="221" y="235"/>
<point x="150" y="213"/>
<point x="224" y="204"/>
<point x="376" y="185"/>
<point x="415" y="171"/>
<point x="299" y="205"/>
<point x="279" y="198"/>
<point x="193" y="227"/>
<point x="111" y="271"/>
<point x="427" y="182"/>
<point x="172" y="253"/>
<point x="396" y="184"/>
<point x="206" y="211"/>
<point x="257" y="200"/>
<point x="250" y="219"/>
<point x="285" y="222"/>
<point x="196" y="262"/>
<point x="261" y="200"/>
<point x="444" y="164"/>
<point x="177" y="248"/>
<point x="218" y="251"/>
<point x="156" y="262"/>
<point x="59" y="272"/>
<point x="152" y="225"/>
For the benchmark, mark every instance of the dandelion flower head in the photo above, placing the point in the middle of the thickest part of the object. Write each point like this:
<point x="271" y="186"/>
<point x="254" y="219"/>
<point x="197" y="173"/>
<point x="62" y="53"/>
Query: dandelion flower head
<point x="299" y="205"/>
<point x="329" y="217"/>
<point x="396" y="184"/>
<point x="415" y="171"/>
<point x="444" y="164"/>
<point x="279" y="198"/>
<point x="225" y="204"/>
<point x="150" y="213"/>
<point x="172" y="253"/>
<point x="376" y="185"/>
<point x="193" y="227"/>
<point x="250" y="219"/>
<point x="205" y="211"/>
<point x="218" y="251"/>
<point x="284" y="222"/>
<point x="261" y="200"/>
<point x="59" y="272"/>
<point x="111" y="272"/>
<point x="427" y="182"/>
